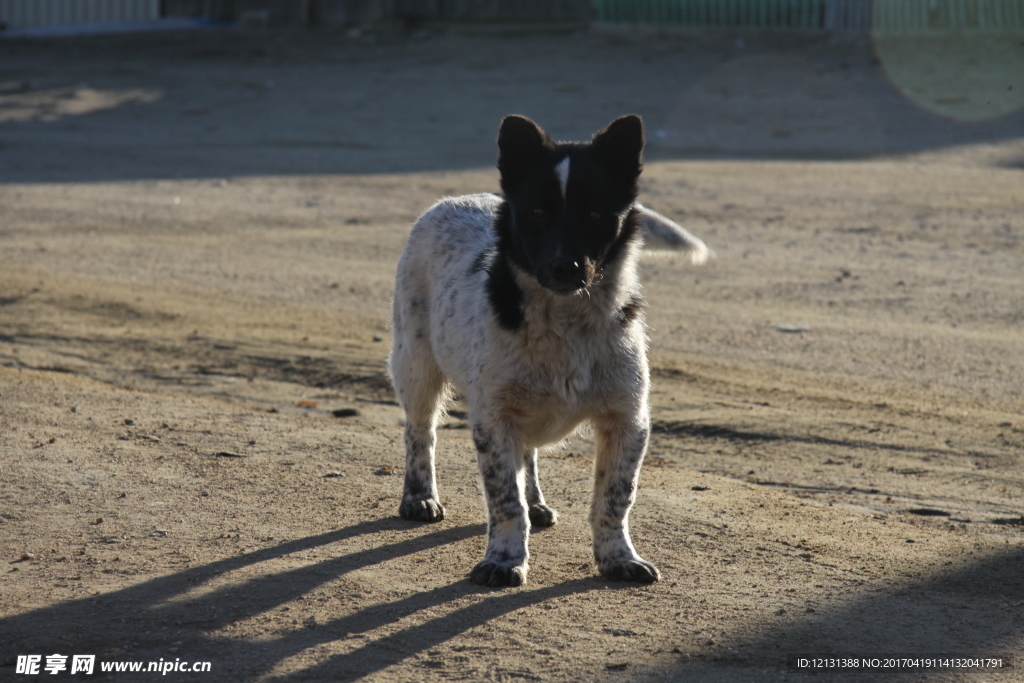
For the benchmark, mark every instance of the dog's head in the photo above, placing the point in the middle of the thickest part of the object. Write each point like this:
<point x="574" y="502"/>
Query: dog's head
<point x="568" y="205"/>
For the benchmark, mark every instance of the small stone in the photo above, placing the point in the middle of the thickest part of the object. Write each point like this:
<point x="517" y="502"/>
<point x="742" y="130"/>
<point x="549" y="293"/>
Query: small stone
<point x="205" y="494"/>
<point x="128" y="421"/>
<point x="334" y="475"/>
<point x="27" y="556"/>
<point x="345" y="412"/>
<point x="378" y="337"/>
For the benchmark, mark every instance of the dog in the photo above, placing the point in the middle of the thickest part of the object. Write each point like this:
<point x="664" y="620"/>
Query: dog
<point x="529" y="306"/>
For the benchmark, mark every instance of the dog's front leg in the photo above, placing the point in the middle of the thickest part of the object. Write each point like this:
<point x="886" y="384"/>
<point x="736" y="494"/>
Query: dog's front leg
<point x="621" y="445"/>
<point x="503" y="471"/>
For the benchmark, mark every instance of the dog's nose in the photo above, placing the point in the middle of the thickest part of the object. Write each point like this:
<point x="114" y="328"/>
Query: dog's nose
<point x="566" y="271"/>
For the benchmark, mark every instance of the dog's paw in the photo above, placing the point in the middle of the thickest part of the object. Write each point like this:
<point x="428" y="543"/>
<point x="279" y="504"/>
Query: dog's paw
<point x="637" y="570"/>
<point x="498" y="575"/>
<point x="542" y="515"/>
<point x="422" y="510"/>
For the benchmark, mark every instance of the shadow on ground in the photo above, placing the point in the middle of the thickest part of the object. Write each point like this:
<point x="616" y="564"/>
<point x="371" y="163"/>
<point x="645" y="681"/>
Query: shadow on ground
<point x="972" y="609"/>
<point x="218" y="104"/>
<point x="164" y="603"/>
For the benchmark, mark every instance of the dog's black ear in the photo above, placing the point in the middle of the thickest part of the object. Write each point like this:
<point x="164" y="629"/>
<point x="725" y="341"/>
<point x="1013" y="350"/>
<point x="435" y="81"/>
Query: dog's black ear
<point x="520" y="141"/>
<point x="622" y="142"/>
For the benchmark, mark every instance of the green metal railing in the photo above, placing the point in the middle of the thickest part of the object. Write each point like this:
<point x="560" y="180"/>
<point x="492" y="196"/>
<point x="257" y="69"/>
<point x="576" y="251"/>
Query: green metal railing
<point x="745" y="13"/>
<point x="839" y="15"/>
<point x="910" y="15"/>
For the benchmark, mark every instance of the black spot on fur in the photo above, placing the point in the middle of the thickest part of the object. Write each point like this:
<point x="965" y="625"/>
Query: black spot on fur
<point x="508" y="501"/>
<point x="414" y="486"/>
<point x="632" y="309"/>
<point x="504" y="294"/>
<point x="482" y="442"/>
<point x="483" y="261"/>
<point x="502" y="556"/>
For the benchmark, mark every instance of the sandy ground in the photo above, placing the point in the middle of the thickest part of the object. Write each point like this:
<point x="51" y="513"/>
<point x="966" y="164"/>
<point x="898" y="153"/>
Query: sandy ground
<point x="198" y="235"/>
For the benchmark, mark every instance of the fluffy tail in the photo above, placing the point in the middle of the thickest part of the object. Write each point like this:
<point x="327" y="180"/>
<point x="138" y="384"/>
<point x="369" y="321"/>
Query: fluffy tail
<point x="663" y="233"/>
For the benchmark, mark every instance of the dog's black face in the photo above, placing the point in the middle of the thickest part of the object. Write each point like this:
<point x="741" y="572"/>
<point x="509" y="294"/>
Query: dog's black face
<point x="567" y="211"/>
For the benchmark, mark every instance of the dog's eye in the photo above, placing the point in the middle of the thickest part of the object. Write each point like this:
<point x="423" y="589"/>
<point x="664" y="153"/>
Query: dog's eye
<point x="595" y="215"/>
<point x="537" y="213"/>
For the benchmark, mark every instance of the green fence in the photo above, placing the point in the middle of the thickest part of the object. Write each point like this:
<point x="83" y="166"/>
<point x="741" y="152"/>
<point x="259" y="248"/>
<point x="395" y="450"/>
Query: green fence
<point x="914" y="15"/>
<point x="749" y="13"/>
<point x="836" y="15"/>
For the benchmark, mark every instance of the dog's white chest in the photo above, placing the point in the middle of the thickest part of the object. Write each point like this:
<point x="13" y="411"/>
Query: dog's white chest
<point x="553" y="378"/>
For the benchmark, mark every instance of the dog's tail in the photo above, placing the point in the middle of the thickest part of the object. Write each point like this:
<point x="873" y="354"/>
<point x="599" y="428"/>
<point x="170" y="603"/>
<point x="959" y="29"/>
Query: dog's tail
<point x="663" y="233"/>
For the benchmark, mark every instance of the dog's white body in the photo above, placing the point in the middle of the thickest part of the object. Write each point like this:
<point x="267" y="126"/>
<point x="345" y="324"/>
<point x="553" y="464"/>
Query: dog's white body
<point x="569" y="359"/>
<point x="555" y="375"/>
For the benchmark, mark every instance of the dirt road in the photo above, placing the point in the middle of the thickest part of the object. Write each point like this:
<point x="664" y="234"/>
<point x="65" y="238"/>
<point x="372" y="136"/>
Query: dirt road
<point x="198" y="236"/>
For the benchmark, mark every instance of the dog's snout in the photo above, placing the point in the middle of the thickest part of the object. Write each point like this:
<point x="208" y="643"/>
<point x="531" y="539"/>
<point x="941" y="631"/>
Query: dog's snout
<point x="565" y="275"/>
<point x="565" y="270"/>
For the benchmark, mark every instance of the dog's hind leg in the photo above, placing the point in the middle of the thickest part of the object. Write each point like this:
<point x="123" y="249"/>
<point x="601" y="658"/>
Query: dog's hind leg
<point x="419" y="386"/>
<point x="540" y="514"/>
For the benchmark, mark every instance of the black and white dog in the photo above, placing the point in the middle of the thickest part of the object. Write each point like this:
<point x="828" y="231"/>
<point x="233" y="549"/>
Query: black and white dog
<point x="529" y="306"/>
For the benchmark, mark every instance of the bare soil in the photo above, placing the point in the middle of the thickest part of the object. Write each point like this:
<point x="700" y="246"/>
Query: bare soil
<point x="198" y="236"/>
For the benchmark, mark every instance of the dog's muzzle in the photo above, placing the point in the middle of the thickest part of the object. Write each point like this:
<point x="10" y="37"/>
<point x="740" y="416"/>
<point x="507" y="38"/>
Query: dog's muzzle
<point x="565" y="275"/>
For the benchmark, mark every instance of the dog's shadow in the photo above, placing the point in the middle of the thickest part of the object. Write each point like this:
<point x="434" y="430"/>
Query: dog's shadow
<point x="142" y="622"/>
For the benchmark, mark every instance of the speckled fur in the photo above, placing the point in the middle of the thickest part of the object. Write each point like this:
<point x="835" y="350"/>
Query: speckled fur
<point x="573" y="359"/>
